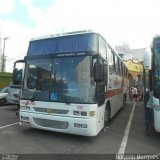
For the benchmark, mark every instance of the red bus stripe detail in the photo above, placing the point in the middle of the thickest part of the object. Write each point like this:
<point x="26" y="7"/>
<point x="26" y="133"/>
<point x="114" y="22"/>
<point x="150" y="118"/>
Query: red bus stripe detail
<point x="111" y="93"/>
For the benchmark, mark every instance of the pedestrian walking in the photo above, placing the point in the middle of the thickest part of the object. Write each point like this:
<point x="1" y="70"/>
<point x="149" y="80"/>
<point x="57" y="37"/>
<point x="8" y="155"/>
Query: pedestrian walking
<point x="131" y="93"/>
<point x="135" y="94"/>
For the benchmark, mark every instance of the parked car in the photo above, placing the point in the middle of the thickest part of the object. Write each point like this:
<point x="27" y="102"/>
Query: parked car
<point x="3" y="96"/>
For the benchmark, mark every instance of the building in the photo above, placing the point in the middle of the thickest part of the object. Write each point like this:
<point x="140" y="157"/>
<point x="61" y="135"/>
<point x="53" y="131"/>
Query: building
<point x="133" y="58"/>
<point x="126" y="53"/>
<point x="135" y="72"/>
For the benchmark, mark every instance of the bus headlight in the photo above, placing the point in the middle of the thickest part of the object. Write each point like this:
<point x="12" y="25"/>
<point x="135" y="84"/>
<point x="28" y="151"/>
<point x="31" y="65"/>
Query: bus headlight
<point x="22" y="107"/>
<point x="79" y="113"/>
<point x="84" y="113"/>
<point x="25" y="108"/>
<point x="76" y="113"/>
<point x="24" y="118"/>
<point x="92" y="113"/>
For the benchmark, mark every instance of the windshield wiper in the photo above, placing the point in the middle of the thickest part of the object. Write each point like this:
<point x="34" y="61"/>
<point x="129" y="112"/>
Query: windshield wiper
<point x="33" y="95"/>
<point x="66" y="100"/>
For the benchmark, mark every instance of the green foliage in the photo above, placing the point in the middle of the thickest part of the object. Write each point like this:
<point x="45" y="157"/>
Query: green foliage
<point x="5" y="79"/>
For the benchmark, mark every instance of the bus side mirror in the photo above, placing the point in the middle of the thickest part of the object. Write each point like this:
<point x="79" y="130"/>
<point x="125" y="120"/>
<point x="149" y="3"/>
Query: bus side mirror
<point x="148" y="60"/>
<point x="98" y="72"/>
<point x="14" y="77"/>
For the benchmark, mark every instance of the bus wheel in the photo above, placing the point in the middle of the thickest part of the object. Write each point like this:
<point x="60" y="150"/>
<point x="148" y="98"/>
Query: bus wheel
<point x="107" y="116"/>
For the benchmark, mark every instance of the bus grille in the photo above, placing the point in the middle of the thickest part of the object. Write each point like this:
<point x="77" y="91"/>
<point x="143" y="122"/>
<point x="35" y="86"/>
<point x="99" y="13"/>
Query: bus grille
<point x="56" y="111"/>
<point x="51" y="123"/>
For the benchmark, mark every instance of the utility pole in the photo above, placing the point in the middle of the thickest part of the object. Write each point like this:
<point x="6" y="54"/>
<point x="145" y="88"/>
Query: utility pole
<point x="3" y="54"/>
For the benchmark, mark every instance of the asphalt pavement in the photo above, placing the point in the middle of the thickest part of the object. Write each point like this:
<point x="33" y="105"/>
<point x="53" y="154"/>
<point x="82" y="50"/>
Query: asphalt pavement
<point x="17" y="140"/>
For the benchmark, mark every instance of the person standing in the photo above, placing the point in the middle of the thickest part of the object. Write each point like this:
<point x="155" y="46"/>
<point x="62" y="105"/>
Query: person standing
<point x="135" y="94"/>
<point x="131" y="93"/>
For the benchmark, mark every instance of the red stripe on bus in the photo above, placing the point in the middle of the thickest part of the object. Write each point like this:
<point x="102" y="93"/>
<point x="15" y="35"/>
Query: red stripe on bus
<point x="111" y="93"/>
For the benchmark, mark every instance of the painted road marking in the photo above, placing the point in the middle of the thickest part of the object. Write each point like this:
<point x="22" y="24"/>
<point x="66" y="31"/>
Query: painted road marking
<point x="8" y="125"/>
<point x="8" y="106"/>
<point x="126" y="133"/>
<point x="3" y="107"/>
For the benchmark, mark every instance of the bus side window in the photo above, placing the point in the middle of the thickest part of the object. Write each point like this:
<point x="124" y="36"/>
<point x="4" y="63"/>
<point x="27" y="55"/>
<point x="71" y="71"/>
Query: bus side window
<point x="105" y="73"/>
<point x="110" y="58"/>
<point x="122" y="68"/>
<point x="116" y="64"/>
<point x="102" y="48"/>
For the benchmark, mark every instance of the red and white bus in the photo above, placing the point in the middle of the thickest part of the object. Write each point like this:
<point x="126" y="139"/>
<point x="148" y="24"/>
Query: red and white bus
<point x="73" y="83"/>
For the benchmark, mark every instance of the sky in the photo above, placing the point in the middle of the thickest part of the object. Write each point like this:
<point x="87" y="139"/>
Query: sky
<point x="131" y="21"/>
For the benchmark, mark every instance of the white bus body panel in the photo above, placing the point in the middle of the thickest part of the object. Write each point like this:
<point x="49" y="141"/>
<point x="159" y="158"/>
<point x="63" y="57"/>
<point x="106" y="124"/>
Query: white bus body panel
<point x="116" y="91"/>
<point x="65" y="121"/>
<point x="156" y="114"/>
<point x="13" y="95"/>
<point x="116" y="103"/>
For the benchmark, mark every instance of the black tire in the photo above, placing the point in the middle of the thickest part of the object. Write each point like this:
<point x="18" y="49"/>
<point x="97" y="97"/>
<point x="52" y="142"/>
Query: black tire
<point x="2" y="102"/>
<point x="107" y="115"/>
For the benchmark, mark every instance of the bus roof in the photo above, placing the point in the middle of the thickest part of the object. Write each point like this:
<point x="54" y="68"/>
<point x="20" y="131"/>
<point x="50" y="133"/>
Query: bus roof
<point x="62" y="34"/>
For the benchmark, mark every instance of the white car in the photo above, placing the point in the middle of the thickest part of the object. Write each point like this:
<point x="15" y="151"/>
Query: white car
<point x="3" y="96"/>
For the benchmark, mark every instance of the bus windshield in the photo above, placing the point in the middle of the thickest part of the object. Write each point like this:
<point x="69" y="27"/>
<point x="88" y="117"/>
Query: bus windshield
<point x="65" y="79"/>
<point x="157" y="69"/>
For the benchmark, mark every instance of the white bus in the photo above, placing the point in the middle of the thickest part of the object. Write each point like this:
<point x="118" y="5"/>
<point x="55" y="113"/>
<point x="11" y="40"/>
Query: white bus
<point x="152" y="80"/>
<point x="69" y="86"/>
<point x="14" y="88"/>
